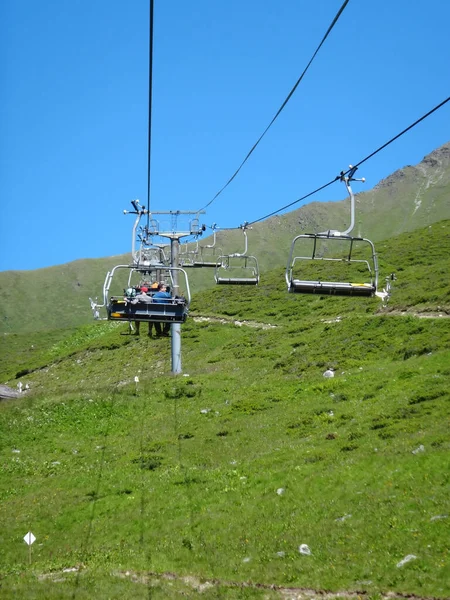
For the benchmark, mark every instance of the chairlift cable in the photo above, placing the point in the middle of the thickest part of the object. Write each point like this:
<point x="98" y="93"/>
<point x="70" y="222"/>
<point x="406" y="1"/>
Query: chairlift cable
<point x="150" y="95"/>
<point x="296" y="201"/>
<point x="338" y="177"/>
<point x="402" y="132"/>
<point x="333" y="23"/>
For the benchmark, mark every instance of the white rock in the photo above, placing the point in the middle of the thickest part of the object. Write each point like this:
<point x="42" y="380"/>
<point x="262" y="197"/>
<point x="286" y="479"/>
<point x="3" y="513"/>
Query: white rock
<point x="343" y="518"/>
<point x="405" y="560"/>
<point x="304" y="549"/>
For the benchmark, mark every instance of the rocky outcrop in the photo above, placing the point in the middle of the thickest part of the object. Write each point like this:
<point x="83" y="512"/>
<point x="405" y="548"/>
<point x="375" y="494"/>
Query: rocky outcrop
<point x="439" y="158"/>
<point x="7" y="393"/>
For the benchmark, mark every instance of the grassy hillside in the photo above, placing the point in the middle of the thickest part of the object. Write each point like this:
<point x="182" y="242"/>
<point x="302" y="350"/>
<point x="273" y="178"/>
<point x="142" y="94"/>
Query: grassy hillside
<point x="213" y="481"/>
<point x="409" y="199"/>
<point x="53" y="297"/>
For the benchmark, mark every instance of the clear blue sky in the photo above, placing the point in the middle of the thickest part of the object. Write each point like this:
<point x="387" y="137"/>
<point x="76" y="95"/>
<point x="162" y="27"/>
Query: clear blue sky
<point x="74" y="110"/>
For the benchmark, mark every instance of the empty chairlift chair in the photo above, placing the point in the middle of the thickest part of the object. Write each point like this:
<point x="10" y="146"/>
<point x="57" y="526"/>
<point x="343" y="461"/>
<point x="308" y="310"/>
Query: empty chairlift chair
<point x="237" y="268"/>
<point x="188" y="257"/>
<point x="207" y="255"/>
<point x="185" y="256"/>
<point x="150" y="255"/>
<point x="333" y="262"/>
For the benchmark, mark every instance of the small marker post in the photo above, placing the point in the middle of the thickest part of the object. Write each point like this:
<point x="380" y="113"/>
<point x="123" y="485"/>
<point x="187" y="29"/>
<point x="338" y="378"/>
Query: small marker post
<point x="29" y="539"/>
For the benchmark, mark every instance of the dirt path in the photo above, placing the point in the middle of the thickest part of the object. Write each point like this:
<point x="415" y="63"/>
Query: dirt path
<point x="256" y="325"/>
<point x="284" y="593"/>
<point x="235" y="322"/>
<point x="419" y="315"/>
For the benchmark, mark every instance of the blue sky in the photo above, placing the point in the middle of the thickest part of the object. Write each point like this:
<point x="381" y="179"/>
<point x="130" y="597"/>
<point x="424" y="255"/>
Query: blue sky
<point x="74" y="110"/>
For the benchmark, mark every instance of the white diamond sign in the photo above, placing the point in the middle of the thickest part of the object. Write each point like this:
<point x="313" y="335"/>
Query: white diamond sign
<point x="29" y="538"/>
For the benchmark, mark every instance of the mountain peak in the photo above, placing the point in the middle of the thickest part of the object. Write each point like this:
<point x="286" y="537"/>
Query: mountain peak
<point x="438" y="158"/>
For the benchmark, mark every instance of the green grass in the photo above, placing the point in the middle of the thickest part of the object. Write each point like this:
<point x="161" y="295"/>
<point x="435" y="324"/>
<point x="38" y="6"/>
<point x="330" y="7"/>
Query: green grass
<point x="170" y="486"/>
<point x="143" y="480"/>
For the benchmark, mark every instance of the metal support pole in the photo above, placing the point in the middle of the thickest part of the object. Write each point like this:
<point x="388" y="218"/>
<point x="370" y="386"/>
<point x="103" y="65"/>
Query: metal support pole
<point x="174" y="254"/>
<point x="176" y="348"/>
<point x="176" y="327"/>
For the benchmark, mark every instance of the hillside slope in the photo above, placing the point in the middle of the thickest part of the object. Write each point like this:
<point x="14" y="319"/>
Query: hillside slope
<point x="139" y="484"/>
<point x="407" y="200"/>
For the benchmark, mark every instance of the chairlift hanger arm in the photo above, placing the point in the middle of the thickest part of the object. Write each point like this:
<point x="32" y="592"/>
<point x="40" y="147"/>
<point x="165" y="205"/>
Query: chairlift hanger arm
<point x="244" y="228"/>
<point x="195" y="249"/>
<point x="213" y="227"/>
<point x="346" y="178"/>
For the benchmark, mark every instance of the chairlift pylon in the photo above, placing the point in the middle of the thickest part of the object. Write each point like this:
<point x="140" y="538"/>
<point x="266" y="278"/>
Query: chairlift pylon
<point x="237" y="268"/>
<point x="342" y="265"/>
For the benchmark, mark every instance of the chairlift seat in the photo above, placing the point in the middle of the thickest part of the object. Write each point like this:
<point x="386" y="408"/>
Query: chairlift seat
<point x="174" y="310"/>
<point x="237" y="280"/>
<point x="144" y="307"/>
<point x="332" y="288"/>
<point x="237" y="269"/>
<point x="204" y="264"/>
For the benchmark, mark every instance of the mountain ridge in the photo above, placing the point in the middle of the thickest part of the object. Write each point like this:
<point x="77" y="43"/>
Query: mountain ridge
<point x="438" y="157"/>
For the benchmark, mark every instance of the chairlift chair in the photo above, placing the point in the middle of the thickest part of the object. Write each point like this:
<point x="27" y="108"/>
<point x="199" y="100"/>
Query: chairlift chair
<point x="149" y="264"/>
<point x="127" y="307"/>
<point x="186" y="256"/>
<point x="237" y="268"/>
<point x="150" y="255"/>
<point x="334" y="253"/>
<point x="207" y="255"/>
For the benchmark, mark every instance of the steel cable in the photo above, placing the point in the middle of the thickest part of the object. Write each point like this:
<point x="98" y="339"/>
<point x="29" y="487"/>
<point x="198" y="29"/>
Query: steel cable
<point x="396" y="137"/>
<point x="150" y="95"/>
<point x="333" y="23"/>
